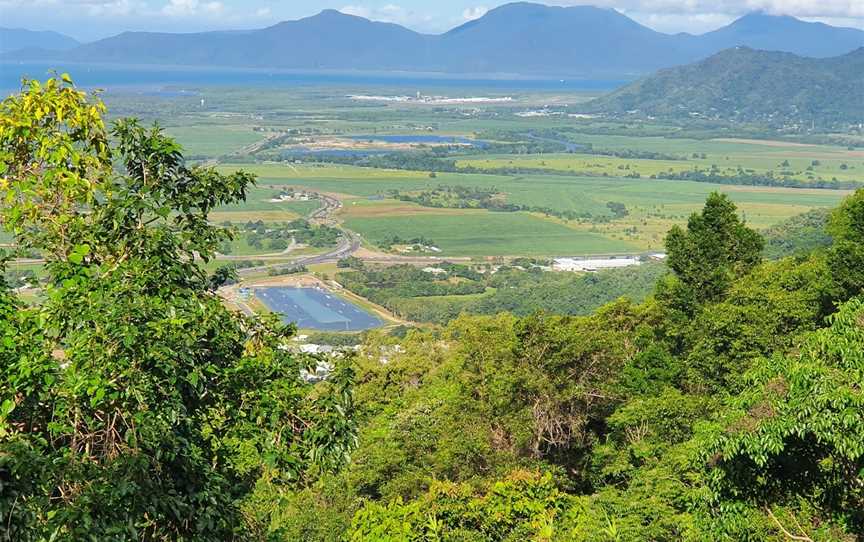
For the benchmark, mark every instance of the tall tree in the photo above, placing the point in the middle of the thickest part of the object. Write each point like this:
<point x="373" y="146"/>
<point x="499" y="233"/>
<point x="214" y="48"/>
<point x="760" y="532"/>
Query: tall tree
<point x="846" y="256"/>
<point x="133" y="404"/>
<point x="715" y="248"/>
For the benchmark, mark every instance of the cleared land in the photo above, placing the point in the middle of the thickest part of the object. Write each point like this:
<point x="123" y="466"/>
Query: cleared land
<point x="653" y="207"/>
<point x="241" y="122"/>
<point x="488" y="234"/>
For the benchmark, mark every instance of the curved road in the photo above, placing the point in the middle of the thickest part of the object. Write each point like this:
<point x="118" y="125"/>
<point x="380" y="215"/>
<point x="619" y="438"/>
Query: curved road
<point x="348" y="245"/>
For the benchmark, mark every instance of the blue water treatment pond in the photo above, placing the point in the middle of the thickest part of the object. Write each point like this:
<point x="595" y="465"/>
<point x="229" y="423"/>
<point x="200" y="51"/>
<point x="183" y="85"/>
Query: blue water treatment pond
<point x="425" y="138"/>
<point x="313" y="308"/>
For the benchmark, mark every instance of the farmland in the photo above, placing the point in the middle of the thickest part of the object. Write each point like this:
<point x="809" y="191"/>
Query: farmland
<point x="566" y="185"/>
<point x="653" y="206"/>
<point x="564" y="196"/>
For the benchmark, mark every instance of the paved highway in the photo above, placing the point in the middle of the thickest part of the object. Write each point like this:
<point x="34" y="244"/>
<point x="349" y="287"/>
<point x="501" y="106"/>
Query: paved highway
<point x="348" y="245"/>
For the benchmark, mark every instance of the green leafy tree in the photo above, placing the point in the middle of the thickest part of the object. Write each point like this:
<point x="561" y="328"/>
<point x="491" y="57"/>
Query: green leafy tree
<point x="846" y="256"/>
<point x="764" y="312"/>
<point x="716" y="248"/>
<point x="525" y="506"/>
<point x="133" y="404"/>
<point x="789" y="457"/>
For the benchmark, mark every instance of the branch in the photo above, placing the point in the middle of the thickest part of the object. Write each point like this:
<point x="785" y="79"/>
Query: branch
<point x="802" y="538"/>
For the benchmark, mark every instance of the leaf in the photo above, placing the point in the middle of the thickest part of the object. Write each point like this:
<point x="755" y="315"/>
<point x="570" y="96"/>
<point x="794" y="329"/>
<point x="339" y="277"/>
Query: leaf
<point x="79" y="253"/>
<point x="6" y="408"/>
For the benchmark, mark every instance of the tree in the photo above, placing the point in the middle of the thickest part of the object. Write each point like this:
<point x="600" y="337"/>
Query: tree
<point x="716" y="248"/>
<point x="224" y="275"/>
<point x="846" y="256"/>
<point x="525" y="506"/>
<point x="133" y="404"/>
<point x="790" y="454"/>
<point x="278" y="244"/>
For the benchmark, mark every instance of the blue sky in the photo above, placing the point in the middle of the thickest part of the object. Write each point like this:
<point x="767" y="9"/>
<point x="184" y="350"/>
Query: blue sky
<point x="93" y="19"/>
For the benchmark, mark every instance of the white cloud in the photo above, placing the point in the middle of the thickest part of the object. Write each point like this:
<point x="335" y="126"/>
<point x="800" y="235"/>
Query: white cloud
<point x="474" y="13"/>
<point x="698" y="16"/>
<point x="92" y="7"/>
<point x="695" y="23"/>
<point x="188" y="8"/>
<point x="357" y="11"/>
<point x="119" y="8"/>
<point x="798" y="8"/>
<point x="391" y="13"/>
<point x="694" y="16"/>
<point x="214" y="8"/>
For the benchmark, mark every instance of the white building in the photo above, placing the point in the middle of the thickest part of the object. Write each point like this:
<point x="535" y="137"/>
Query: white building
<point x="316" y="349"/>
<point x="593" y="265"/>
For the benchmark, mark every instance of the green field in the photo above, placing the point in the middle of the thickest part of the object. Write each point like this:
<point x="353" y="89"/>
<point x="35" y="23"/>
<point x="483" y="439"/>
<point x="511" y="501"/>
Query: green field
<point x="258" y="204"/>
<point x="554" y="191"/>
<point x="489" y="234"/>
<point x="213" y="140"/>
<point x="798" y="162"/>
<point x="579" y="184"/>
<point x="653" y="206"/>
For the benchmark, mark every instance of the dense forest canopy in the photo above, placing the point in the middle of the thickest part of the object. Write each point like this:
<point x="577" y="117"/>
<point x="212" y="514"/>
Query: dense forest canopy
<point x="135" y="406"/>
<point x="746" y="85"/>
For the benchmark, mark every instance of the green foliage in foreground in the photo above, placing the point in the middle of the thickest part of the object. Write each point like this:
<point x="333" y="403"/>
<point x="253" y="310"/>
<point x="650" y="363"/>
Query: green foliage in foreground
<point x="730" y="416"/>
<point x="133" y="404"/>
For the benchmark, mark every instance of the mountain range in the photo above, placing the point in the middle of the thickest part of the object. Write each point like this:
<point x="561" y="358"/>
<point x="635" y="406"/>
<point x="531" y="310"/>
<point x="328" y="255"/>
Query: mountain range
<point x="18" y="38"/>
<point x="742" y="84"/>
<point x="518" y="38"/>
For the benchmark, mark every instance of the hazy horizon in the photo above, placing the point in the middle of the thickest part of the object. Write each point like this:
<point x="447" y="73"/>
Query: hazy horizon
<point x="90" y="20"/>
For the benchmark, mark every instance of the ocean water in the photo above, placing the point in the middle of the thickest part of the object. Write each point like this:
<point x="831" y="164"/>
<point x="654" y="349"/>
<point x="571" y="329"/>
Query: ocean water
<point x="118" y="77"/>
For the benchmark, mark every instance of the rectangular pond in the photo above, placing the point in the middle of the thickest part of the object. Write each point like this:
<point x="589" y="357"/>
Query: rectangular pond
<point x="425" y="139"/>
<point x="316" y="308"/>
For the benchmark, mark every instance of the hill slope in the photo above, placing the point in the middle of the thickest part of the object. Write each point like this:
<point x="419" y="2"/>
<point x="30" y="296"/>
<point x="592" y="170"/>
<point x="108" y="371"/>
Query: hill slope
<point x="12" y="39"/>
<point x="743" y="84"/>
<point x="518" y="38"/>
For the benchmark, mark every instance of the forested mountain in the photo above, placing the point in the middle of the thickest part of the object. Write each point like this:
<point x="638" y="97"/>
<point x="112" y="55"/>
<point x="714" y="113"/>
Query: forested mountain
<point x="532" y="38"/>
<point x="743" y="84"/>
<point x="12" y="39"/>
<point x="518" y="38"/>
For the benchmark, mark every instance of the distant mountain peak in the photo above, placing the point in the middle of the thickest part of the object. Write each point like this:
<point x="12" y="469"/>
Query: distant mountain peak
<point x="763" y="18"/>
<point x="524" y="38"/>
<point x="21" y="38"/>
<point x="335" y="14"/>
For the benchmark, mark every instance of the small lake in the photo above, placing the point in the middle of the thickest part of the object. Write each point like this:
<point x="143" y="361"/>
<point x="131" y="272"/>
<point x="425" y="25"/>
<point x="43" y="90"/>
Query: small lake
<point x="315" y="308"/>
<point x="427" y="139"/>
<point x="302" y="151"/>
